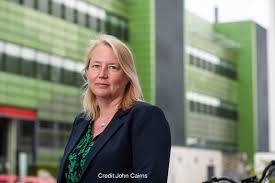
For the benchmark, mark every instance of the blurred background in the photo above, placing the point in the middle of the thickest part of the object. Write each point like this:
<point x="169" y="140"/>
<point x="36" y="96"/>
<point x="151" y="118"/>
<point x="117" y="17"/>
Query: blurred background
<point x="207" y="63"/>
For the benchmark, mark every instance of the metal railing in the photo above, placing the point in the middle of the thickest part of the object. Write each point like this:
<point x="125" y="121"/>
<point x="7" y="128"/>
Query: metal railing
<point x="267" y="173"/>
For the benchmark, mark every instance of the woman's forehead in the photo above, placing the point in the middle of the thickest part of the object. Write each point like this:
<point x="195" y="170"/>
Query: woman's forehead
<point x="103" y="55"/>
<point x="103" y="62"/>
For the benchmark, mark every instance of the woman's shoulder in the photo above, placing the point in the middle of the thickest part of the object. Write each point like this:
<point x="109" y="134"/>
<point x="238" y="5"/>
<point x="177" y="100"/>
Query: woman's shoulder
<point x="80" y="117"/>
<point x="148" y="114"/>
<point x="141" y="106"/>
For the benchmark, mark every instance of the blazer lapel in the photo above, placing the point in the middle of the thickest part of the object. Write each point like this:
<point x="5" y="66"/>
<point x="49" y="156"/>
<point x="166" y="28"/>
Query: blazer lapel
<point x="113" y="126"/>
<point x="77" y="132"/>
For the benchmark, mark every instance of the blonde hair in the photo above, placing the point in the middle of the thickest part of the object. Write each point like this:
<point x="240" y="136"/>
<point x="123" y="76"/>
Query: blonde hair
<point x="132" y="92"/>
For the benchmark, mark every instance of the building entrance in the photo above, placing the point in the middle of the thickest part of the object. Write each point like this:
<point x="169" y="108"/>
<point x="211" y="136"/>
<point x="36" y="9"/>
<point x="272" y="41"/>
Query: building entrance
<point x="3" y="143"/>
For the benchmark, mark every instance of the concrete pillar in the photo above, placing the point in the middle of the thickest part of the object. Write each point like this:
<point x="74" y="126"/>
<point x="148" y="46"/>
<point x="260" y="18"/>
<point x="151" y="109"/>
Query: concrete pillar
<point x="11" y="147"/>
<point x="271" y="74"/>
<point x="170" y="64"/>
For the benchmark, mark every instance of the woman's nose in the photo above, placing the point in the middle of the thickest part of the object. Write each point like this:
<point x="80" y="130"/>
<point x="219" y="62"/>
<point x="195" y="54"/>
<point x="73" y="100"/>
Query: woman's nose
<point x="103" y="73"/>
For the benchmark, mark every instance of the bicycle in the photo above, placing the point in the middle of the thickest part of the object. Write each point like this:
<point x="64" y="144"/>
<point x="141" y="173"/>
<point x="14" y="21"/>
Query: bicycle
<point x="264" y="178"/>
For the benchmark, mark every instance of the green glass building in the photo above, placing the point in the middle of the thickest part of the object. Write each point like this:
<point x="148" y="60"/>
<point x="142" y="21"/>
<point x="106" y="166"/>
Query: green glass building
<point x="226" y="84"/>
<point x="226" y="103"/>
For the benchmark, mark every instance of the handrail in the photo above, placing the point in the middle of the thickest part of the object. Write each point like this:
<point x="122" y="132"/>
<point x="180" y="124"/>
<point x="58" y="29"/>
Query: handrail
<point x="265" y="176"/>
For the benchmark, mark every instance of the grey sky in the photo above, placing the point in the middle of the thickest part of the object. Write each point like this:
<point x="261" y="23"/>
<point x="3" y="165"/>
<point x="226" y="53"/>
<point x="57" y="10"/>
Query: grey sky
<point x="231" y="10"/>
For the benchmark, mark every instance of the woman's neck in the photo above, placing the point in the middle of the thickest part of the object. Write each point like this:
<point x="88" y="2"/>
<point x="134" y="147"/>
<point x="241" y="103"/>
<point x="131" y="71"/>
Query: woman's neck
<point x="108" y="107"/>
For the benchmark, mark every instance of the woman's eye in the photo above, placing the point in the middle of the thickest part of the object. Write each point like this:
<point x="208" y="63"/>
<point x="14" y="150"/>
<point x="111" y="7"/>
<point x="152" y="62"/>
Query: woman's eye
<point x="95" y="66"/>
<point x="113" y="67"/>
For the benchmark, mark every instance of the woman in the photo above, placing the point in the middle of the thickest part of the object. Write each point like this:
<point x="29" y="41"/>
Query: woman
<point x="117" y="138"/>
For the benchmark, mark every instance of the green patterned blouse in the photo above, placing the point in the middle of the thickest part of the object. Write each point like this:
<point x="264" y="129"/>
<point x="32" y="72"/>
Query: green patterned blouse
<point x="76" y="159"/>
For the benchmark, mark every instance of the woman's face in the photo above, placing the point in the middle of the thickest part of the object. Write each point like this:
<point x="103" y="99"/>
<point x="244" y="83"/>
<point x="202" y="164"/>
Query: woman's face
<point x="105" y="76"/>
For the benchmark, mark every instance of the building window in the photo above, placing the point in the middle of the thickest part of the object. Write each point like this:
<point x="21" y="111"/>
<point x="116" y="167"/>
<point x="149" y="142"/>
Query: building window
<point x="25" y="132"/>
<point x="197" y="62"/>
<point x="56" y="9"/>
<point x="2" y="62"/>
<point x="28" y="68"/>
<point x="220" y="70"/>
<point x="43" y="6"/>
<point x="233" y="74"/>
<point x="114" y="25"/>
<point x="42" y="71"/>
<point x="63" y="10"/>
<point x="224" y="111"/>
<point x="50" y="5"/>
<point x="125" y="33"/>
<point x="197" y="107"/>
<point x="93" y="23"/>
<point x="81" y="19"/>
<point x="208" y="66"/>
<point x="30" y="3"/>
<point x="212" y="110"/>
<point x="53" y="135"/>
<point x="87" y="20"/>
<point x="79" y="79"/>
<point x="224" y="68"/>
<point x="69" y="77"/>
<point x="108" y="25"/>
<point x="191" y="59"/>
<point x="75" y="16"/>
<point x="119" y="31"/>
<point x="100" y="25"/>
<point x="63" y="132"/>
<point x="47" y="134"/>
<point x="56" y="74"/>
<point x="192" y="106"/>
<point x="13" y="64"/>
<point x="204" y="64"/>
<point x="65" y="127"/>
<point x="204" y="108"/>
<point x="26" y="129"/>
<point x="210" y="171"/>
<point x="69" y="14"/>
<point x="46" y="125"/>
<point x="17" y="1"/>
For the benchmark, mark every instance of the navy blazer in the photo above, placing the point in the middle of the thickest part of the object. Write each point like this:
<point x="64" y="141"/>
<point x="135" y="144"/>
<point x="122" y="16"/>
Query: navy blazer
<point x="134" y="147"/>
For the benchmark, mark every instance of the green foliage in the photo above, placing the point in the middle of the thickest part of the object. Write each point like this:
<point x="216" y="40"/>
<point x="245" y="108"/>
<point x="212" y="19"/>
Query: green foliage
<point x="272" y="180"/>
<point x="51" y="168"/>
<point x="251" y="171"/>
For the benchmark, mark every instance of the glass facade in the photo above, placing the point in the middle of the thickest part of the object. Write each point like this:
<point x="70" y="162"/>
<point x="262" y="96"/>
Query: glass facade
<point x="82" y="14"/>
<point x="53" y="135"/>
<point x="34" y="64"/>
<point x="212" y="109"/>
<point x="205" y="109"/>
<point x="42" y="46"/>
<point x="206" y="61"/>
